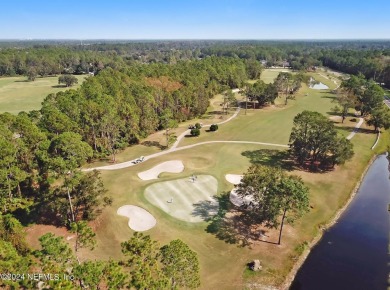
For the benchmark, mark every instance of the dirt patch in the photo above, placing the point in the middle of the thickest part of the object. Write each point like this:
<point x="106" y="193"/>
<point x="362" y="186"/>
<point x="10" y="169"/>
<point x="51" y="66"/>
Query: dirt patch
<point x="35" y="231"/>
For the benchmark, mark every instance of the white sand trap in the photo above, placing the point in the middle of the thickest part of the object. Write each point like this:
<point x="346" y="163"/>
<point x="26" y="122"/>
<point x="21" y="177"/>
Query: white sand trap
<point x="238" y="200"/>
<point x="184" y="199"/>
<point x="234" y="178"/>
<point x="173" y="166"/>
<point x="139" y="219"/>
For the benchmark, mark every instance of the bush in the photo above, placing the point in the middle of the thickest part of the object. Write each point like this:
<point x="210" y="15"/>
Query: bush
<point x="198" y="126"/>
<point x="214" y="127"/>
<point x="195" y="132"/>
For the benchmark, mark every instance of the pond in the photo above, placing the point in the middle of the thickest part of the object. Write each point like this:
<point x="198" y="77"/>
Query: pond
<point x="317" y="85"/>
<point x="353" y="254"/>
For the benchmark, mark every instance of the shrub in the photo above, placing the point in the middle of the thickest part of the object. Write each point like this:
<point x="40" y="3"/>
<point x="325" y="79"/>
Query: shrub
<point x="214" y="127"/>
<point x="198" y="126"/>
<point x="195" y="132"/>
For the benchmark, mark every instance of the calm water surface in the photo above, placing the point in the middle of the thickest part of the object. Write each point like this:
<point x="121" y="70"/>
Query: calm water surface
<point x="353" y="254"/>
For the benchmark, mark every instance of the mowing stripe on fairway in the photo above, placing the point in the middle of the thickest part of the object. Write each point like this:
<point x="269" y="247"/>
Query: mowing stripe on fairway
<point x="186" y="196"/>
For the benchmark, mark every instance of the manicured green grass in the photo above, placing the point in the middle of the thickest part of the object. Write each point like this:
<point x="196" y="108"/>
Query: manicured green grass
<point x="272" y="124"/>
<point x="222" y="263"/>
<point x="17" y="94"/>
<point x="187" y="199"/>
<point x="269" y="74"/>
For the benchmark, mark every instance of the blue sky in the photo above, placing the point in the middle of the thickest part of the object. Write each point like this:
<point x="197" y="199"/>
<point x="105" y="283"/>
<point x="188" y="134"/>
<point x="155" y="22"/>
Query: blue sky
<point x="188" y="19"/>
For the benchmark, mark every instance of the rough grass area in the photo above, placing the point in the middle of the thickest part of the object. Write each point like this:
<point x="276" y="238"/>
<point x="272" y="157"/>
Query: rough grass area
<point x="17" y="94"/>
<point x="188" y="199"/>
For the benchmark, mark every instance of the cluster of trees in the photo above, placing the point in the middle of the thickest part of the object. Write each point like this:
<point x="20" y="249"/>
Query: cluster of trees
<point x="145" y="265"/>
<point x="41" y="171"/>
<point x="68" y="80"/>
<point x="116" y="108"/>
<point x="365" y="96"/>
<point x="314" y="140"/>
<point x="275" y="197"/>
<point x="261" y="93"/>
<point x="286" y="84"/>
<point x="41" y="153"/>
<point x="51" y="58"/>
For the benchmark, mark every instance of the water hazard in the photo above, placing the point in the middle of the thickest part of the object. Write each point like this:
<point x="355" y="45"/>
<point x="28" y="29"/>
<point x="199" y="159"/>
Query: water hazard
<point x="353" y="254"/>
<point x="317" y="85"/>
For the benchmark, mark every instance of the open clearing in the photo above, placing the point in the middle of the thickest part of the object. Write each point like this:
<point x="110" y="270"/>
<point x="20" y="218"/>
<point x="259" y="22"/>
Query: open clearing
<point x="139" y="219"/>
<point x="17" y="94"/>
<point x="188" y="199"/>
<point x="173" y="166"/>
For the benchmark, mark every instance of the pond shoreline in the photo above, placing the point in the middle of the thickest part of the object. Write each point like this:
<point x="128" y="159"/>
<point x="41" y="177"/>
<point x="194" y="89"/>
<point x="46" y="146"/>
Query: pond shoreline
<point x="302" y="258"/>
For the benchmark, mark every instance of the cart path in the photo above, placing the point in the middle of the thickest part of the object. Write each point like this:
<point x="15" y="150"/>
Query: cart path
<point x="174" y="147"/>
<point x="350" y="136"/>
<point x="130" y="163"/>
<point x="187" y="132"/>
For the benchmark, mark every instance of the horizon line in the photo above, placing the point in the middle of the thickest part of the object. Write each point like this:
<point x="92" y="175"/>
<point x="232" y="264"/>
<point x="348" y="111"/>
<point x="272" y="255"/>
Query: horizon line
<point x="189" y="39"/>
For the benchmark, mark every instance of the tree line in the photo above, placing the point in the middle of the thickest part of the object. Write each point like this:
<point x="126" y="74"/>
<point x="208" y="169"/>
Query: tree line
<point x="50" y="58"/>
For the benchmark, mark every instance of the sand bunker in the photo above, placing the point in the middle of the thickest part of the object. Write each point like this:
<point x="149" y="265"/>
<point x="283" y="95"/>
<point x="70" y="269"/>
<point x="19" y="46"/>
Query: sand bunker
<point x="234" y="197"/>
<point x="238" y="200"/>
<point x="233" y="178"/>
<point x="173" y="166"/>
<point x="139" y="219"/>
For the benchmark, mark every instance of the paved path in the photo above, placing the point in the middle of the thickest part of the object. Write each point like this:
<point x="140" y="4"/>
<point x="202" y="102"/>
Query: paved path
<point x="130" y="163"/>
<point x="187" y="132"/>
<point x="174" y="147"/>
<point x="350" y="136"/>
<point x="387" y="101"/>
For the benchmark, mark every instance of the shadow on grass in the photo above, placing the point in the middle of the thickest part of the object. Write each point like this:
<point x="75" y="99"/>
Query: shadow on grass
<point x="206" y="209"/>
<point x="333" y="114"/>
<point x="360" y="130"/>
<point x="153" y="144"/>
<point x="328" y="96"/>
<point x="216" y="113"/>
<point x="233" y="225"/>
<point x="58" y="86"/>
<point x="270" y="157"/>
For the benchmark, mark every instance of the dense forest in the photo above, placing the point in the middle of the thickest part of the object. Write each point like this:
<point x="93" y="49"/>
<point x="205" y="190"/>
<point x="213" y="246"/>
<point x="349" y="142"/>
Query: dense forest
<point x="371" y="58"/>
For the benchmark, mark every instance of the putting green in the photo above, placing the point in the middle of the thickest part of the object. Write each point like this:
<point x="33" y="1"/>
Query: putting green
<point x="184" y="199"/>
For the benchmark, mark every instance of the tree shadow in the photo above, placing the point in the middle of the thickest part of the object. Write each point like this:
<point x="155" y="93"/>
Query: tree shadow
<point x="333" y="114"/>
<point x="153" y="144"/>
<point x="328" y="96"/>
<point x="360" y="130"/>
<point x="234" y="225"/>
<point x="206" y="209"/>
<point x="216" y="113"/>
<point x="271" y="157"/>
<point x="58" y="86"/>
<point x="38" y="213"/>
